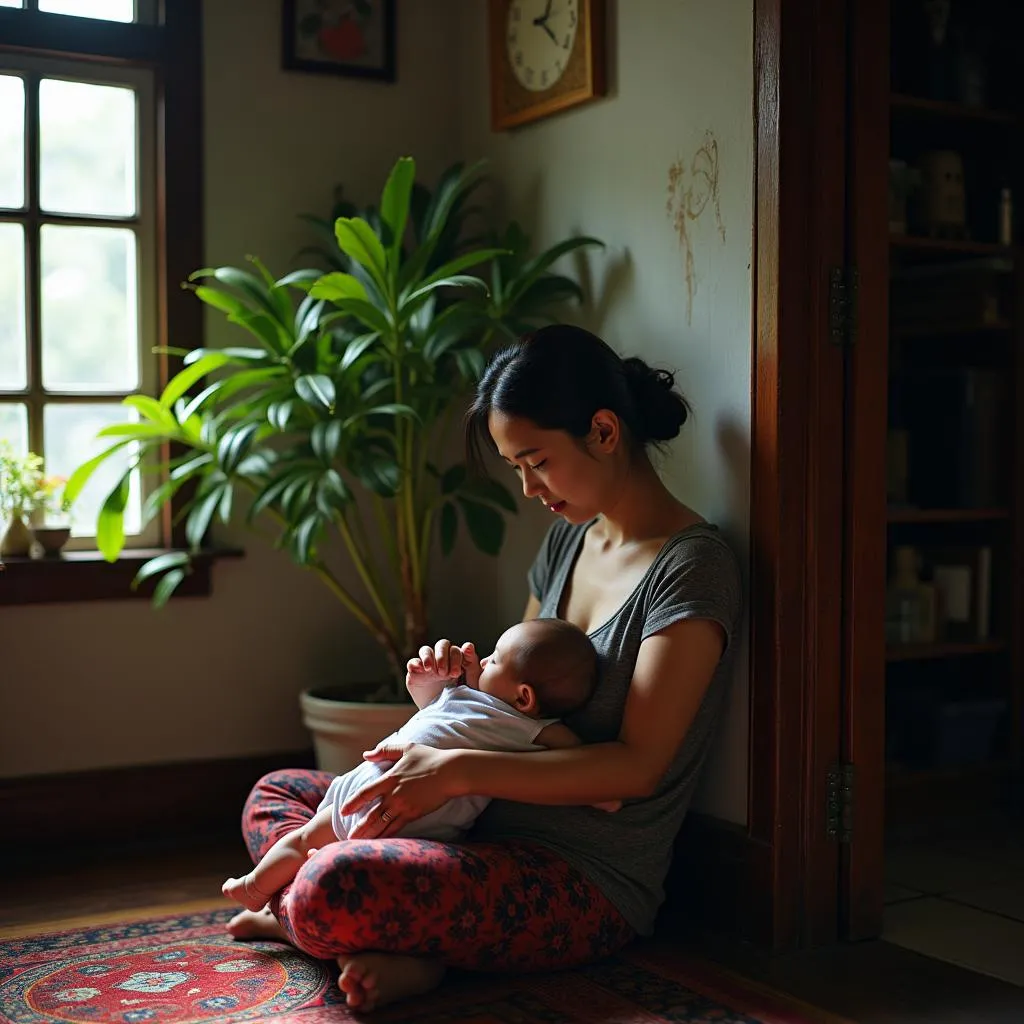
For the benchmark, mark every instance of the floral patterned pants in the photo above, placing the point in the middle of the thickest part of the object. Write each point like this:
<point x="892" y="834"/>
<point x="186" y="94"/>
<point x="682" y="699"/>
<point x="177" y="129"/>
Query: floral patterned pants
<point x="475" y="906"/>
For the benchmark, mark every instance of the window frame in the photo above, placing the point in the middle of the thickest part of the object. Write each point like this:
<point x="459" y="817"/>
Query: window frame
<point x="172" y="48"/>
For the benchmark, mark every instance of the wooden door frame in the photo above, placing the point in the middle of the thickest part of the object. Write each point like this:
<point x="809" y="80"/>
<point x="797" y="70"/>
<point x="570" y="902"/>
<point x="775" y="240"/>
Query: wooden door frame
<point x="796" y="485"/>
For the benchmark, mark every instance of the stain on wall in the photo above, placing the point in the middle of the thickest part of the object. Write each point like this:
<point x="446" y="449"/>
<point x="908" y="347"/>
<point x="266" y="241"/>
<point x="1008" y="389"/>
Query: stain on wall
<point x="692" y="188"/>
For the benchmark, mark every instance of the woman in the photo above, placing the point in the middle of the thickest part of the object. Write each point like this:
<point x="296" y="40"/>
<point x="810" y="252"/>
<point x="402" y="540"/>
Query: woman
<point x="544" y="881"/>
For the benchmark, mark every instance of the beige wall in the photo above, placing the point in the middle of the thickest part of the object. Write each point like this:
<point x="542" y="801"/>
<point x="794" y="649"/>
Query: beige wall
<point x="681" y="95"/>
<point x="106" y="688"/>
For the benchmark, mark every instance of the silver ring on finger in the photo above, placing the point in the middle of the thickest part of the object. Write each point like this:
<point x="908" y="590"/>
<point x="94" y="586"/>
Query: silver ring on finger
<point x="386" y="816"/>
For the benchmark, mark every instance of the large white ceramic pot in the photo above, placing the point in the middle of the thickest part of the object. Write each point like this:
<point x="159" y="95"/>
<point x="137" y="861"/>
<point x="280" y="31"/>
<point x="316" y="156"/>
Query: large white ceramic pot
<point x="343" y="729"/>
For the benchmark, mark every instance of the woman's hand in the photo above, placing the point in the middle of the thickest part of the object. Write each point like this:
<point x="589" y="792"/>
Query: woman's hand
<point x="420" y="781"/>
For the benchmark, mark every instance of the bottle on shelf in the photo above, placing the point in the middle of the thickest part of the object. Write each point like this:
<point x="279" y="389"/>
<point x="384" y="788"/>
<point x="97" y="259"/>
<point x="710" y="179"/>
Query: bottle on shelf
<point x="910" y="603"/>
<point x="1006" y="217"/>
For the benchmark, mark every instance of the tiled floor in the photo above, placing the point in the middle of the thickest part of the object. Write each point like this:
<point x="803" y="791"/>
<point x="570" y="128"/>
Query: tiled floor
<point x="961" y="899"/>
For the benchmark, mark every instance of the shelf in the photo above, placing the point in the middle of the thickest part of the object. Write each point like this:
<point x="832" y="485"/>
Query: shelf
<point x="949" y="773"/>
<point x="929" y="652"/>
<point x="950" y="329"/>
<point x="950" y="246"/>
<point x="947" y="515"/>
<point x="957" y="111"/>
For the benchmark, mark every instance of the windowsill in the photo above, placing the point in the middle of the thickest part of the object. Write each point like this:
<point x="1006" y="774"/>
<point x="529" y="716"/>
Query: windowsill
<point x="86" y="576"/>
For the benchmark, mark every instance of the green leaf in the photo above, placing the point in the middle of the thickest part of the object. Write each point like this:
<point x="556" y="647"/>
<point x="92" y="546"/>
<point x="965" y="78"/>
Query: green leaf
<point x="218" y="299"/>
<point x="317" y="390"/>
<point x="394" y="205"/>
<point x="240" y="355"/>
<point x="234" y="445"/>
<point x="455" y="184"/>
<point x="486" y="525"/>
<point x="271" y="492"/>
<point x="533" y="270"/>
<point x="195" y="404"/>
<point x="151" y="409"/>
<point x="277" y="337"/>
<point x="460" y="263"/>
<point x="455" y="281"/>
<point x="300" y="279"/>
<point x="449" y="527"/>
<point x="166" y="587"/>
<point x="471" y="363"/>
<point x="304" y="538"/>
<point x="331" y="493"/>
<point x="490" y="491"/>
<point x="453" y="479"/>
<point x="393" y="409"/>
<point x="365" y="312"/>
<point x="380" y="474"/>
<point x="169" y="560"/>
<point x="335" y="287"/>
<point x="199" y="516"/>
<point x="138" y="431"/>
<point x="110" y="524"/>
<point x="356" y="239"/>
<point x="279" y="414"/>
<point x="81" y="476"/>
<point x="181" y="382"/>
<point x="248" y="284"/>
<point x="325" y="438"/>
<point x="355" y="349"/>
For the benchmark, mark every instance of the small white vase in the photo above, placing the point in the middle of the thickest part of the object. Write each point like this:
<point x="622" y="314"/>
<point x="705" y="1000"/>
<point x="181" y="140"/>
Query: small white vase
<point x="17" y="538"/>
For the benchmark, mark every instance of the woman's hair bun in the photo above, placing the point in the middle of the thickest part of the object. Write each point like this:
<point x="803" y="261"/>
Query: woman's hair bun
<point x="661" y="410"/>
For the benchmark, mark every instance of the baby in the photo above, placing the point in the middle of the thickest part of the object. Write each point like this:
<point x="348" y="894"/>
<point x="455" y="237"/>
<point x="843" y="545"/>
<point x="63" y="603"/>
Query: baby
<point x="540" y="670"/>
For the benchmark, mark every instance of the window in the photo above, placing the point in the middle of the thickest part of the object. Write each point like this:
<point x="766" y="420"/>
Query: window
<point x="79" y="259"/>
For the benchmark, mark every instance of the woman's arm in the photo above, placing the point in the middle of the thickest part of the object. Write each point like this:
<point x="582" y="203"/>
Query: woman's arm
<point x="673" y="671"/>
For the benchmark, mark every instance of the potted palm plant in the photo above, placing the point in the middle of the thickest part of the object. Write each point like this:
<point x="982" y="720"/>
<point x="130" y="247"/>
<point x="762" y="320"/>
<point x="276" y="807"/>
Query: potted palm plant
<point x="333" y="425"/>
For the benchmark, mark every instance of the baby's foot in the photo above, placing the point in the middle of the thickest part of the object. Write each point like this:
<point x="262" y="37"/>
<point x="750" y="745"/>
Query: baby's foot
<point x="256" y="924"/>
<point x="241" y="890"/>
<point x="371" y="980"/>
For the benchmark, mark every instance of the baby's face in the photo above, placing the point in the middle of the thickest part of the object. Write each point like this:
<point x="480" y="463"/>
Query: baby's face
<point x="500" y="676"/>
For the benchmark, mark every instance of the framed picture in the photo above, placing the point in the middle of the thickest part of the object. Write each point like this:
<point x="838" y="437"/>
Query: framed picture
<point x="353" y="38"/>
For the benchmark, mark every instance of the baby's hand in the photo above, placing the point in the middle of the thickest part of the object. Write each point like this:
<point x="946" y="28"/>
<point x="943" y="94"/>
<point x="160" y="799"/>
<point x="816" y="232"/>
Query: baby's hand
<point x="471" y="667"/>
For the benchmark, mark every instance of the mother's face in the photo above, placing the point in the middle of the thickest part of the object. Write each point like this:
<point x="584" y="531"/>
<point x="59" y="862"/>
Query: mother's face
<point x="568" y="475"/>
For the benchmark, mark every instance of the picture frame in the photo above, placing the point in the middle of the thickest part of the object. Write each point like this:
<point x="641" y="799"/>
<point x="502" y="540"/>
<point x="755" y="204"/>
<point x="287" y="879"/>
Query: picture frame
<point x="349" y="38"/>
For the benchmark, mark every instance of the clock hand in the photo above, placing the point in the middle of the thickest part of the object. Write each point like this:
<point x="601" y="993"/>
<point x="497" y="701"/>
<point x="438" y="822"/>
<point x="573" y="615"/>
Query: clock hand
<point x="550" y="34"/>
<point x="539" y="21"/>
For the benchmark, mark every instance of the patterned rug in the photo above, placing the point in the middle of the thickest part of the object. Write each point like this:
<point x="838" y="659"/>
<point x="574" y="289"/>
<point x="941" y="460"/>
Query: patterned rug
<point x="183" y="968"/>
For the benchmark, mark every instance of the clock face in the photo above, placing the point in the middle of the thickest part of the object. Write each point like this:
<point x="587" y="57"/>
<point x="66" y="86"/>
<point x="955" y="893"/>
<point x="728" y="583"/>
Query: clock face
<point x="539" y="37"/>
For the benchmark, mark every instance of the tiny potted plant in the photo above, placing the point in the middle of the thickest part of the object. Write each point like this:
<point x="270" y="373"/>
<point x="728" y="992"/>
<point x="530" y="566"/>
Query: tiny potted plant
<point x="50" y="518"/>
<point x="20" y="480"/>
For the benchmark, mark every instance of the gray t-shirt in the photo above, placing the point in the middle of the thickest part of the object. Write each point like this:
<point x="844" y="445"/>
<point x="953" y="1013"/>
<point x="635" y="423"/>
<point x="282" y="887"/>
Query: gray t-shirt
<point x="627" y="853"/>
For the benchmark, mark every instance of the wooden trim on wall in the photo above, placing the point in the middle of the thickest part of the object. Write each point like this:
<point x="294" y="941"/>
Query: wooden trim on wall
<point x="111" y="807"/>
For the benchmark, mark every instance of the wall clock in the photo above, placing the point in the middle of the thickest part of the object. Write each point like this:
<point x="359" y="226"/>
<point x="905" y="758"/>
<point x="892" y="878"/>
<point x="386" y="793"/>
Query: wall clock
<point x="546" y="55"/>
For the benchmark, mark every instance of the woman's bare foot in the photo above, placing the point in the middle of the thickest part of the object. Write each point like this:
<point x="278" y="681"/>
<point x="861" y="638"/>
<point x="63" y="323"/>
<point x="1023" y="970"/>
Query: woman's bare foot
<point x="256" y="924"/>
<point x="372" y="980"/>
<point x="242" y="890"/>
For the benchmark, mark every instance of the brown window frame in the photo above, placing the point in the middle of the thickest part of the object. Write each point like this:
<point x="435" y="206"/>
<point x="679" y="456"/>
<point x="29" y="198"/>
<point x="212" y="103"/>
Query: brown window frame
<point x="172" y="49"/>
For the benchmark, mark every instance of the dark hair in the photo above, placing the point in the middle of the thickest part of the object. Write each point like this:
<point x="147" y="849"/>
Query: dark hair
<point x="559" y="376"/>
<point x="558" y="660"/>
